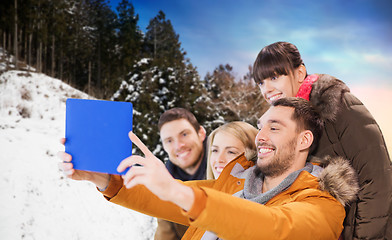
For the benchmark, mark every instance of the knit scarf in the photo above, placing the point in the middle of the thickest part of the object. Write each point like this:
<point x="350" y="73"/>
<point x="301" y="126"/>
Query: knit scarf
<point x="253" y="188"/>
<point x="306" y="86"/>
<point x="253" y="185"/>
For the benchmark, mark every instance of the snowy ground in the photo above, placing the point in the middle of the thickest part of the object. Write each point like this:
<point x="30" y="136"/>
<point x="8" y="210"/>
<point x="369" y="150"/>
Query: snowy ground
<point x="36" y="201"/>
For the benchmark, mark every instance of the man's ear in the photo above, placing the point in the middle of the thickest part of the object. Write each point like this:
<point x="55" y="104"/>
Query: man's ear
<point x="306" y="140"/>
<point x="300" y="73"/>
<point x="202" y="133"/>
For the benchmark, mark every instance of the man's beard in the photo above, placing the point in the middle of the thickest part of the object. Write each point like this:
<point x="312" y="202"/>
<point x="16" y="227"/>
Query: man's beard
<point x="279" y="163"/>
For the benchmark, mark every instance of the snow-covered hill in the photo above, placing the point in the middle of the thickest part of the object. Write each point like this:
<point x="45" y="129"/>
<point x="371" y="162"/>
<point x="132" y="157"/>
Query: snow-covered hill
<point x="36" y="201"/>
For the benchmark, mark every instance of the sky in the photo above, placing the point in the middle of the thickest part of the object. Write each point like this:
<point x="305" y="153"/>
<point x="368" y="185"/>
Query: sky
<point x="348" y="39"/>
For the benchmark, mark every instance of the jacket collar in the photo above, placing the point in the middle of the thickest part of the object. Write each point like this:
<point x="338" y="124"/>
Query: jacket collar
<point x="337" y="177"/>
<point x="327" y="96"/>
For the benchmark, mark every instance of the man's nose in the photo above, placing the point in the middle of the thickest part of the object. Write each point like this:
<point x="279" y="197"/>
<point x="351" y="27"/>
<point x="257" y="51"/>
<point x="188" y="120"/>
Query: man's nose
<point x="261" y="136"/>
<point x="179" y="144"/>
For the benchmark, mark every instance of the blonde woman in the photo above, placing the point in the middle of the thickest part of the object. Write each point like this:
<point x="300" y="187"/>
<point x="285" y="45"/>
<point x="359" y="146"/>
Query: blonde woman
<point x="226" y="143"/>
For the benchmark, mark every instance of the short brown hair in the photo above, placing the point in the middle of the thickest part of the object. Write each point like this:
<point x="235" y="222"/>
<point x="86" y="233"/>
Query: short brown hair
<point x="280" y="58"/>
<point x="306" y="117"/>
<point x="178" y="113"/>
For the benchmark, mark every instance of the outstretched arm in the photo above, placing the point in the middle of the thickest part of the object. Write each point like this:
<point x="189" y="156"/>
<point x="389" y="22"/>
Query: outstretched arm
<point x="228" y="216"/>
<point x="153" y="174"/>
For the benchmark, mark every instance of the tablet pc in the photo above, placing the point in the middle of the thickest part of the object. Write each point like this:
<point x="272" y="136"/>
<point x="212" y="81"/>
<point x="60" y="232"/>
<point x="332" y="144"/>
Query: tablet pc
<point x="96" y="133"/>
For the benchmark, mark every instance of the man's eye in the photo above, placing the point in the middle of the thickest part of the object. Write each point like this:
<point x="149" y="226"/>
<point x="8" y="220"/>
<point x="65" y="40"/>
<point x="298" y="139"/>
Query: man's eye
<point x="274" y="129"/>
<point x="274" y="78"/>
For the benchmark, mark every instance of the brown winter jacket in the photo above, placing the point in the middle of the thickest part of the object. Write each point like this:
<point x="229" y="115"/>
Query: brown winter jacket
<point x="169" y="230"/>
<point x="351" y="132"/>
<point x="302" y="211"/>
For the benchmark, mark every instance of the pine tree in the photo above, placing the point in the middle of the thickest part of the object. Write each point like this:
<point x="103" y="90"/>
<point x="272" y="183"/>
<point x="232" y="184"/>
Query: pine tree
<point x="140" y="89"/>
<point x="102" y="22"/>
<point x="80" y="43"/>
<point x="129" y="36"/>
<point x="6" y="24"/>
<point x="162" y="81"/>
<point x="162" y="43"/>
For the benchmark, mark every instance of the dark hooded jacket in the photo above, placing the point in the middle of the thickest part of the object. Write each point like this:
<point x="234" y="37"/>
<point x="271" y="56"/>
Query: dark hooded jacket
<point x="351" y="132"/>
<point x="172" y="231"/>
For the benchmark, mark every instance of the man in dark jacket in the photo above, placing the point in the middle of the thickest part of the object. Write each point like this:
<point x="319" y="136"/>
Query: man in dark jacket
<point x="350" y="131"/>
<point x="183" y="140"/>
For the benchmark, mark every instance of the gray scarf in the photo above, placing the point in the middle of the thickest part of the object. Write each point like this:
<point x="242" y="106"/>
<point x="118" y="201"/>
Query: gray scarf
<point x="253" y="189"/>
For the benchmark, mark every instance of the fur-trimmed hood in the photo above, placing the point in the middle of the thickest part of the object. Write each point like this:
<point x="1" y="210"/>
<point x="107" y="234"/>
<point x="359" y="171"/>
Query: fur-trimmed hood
<point x="326" y="96"/>
<point x="338" y="178"/>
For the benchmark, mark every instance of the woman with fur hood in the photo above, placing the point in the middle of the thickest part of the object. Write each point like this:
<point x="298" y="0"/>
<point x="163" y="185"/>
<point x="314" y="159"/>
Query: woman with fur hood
<point x="350" y="131"/>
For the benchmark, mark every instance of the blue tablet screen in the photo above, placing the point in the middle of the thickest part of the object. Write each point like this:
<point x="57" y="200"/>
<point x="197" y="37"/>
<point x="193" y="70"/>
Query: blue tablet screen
<point x="96" y="134"/>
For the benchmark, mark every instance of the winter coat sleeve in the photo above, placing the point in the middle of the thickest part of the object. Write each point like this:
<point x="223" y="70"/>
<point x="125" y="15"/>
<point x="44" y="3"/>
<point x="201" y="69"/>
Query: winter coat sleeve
<point x="140" y="199"/>
<point x="361" y="141"/>
<point x="302" y="215"/>
<point x="305" y="217"/>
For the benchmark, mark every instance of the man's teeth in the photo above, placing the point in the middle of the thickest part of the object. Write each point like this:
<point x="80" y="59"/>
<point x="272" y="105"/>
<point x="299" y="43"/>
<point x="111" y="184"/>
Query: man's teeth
<point x="183" y="154"/>
<point x="265" y="150"/>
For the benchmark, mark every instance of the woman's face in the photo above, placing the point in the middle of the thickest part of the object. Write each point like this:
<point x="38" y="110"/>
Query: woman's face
<point x="224" y="148"/>
<point x="281" y="86"/>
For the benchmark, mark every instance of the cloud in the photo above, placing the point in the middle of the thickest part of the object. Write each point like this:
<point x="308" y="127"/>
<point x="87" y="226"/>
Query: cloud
<point x="350" y="49"/>
<point x="378" y="59"/>
<point x="346" y="40"/>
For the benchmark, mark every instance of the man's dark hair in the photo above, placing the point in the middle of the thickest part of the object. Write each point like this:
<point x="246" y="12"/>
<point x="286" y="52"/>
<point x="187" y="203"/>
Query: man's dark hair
<point x="306" y="117"/>
<point x="280" y="58"/>
<point x="178" y="113"/>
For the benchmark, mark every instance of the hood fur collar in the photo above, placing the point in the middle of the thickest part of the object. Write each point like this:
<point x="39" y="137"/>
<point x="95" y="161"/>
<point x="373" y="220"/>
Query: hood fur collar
<point x="326" y="96"/>
<point x="338" y="178"/>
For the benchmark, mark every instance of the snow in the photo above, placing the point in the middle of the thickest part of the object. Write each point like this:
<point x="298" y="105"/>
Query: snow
<point x="144" y="61"/>
<point x="37" y="201"/>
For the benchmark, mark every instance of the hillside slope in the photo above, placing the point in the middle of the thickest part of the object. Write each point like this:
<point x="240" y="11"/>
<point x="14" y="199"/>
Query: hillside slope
<point x="36" y="201"/>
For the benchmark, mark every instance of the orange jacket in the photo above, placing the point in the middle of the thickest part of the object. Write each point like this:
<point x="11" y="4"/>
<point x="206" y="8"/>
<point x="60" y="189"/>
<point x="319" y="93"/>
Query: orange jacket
<point x="302" y="211"/>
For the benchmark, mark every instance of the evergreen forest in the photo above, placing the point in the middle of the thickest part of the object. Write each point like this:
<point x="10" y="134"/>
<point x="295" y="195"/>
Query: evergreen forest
<point x="104" y="53"/>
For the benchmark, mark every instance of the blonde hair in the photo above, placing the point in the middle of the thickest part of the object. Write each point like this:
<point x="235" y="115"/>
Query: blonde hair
<point x="243" y="131"/>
